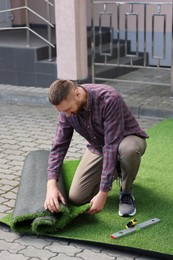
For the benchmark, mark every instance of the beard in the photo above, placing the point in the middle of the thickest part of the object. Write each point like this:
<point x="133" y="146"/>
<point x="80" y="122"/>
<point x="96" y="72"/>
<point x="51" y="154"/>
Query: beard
<point x="80" y="109"/>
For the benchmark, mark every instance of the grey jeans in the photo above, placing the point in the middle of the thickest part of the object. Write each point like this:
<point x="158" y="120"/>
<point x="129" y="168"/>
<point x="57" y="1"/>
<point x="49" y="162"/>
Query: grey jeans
<point x="87" y="177"/>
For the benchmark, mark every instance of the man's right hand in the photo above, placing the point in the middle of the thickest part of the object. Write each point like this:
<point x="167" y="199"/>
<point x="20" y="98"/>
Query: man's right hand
<point x="53" y="196"/>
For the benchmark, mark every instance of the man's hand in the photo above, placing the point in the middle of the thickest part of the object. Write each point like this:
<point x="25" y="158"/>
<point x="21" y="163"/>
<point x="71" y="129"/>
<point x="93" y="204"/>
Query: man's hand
<point x="98" y="202"/>
<point x="53" y="197"/>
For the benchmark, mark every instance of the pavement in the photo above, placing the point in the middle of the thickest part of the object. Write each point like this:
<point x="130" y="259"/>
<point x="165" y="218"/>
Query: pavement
<point x="28" y="122"/>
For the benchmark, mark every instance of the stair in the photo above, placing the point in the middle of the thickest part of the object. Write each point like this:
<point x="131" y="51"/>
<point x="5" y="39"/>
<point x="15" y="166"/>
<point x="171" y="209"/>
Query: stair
<point x="25" y="66"/>
<point x="29" y="66"/>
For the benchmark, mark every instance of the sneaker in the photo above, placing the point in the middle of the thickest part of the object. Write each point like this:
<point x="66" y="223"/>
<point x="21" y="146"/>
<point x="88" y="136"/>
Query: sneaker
<point x="126" y="205"/>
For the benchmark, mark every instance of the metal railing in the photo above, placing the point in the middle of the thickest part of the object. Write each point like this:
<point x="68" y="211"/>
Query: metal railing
<point x="28" y="28"/>
<point x="113" y="10"/>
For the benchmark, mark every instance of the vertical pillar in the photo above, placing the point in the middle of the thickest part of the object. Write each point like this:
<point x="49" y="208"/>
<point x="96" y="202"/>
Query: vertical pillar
<point x="71" y="39"/>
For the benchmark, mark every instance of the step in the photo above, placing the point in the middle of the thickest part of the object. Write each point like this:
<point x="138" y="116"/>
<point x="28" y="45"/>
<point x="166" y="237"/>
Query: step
<point x="30" y="66"/>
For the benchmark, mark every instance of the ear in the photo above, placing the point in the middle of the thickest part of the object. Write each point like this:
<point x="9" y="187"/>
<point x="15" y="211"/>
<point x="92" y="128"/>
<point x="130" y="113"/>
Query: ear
<point x="77" y="93"/>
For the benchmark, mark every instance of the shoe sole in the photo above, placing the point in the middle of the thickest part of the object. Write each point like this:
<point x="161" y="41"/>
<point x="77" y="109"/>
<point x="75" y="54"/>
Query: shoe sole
<point x="127" y="215"/>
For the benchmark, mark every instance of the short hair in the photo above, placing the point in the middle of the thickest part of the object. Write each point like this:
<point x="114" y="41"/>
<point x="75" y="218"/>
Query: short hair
<point x="59" y="90"/>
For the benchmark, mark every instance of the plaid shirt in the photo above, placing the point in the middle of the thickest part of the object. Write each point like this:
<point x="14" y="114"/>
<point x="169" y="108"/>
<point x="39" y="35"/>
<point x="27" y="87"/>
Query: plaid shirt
<point x="104" y="122"/>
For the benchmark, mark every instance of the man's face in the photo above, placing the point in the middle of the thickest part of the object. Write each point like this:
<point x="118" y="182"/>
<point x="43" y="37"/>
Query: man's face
<point x="72" y="105"/>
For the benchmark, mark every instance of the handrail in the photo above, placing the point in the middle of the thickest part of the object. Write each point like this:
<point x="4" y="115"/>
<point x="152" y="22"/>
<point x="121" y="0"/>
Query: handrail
<point x="27" y="27"/>
<point x="29" y="9"/>
<point x="48" y="2"/>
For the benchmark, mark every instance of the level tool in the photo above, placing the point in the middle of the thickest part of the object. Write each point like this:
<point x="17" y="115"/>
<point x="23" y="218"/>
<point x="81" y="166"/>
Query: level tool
<point x="135" y="228"/>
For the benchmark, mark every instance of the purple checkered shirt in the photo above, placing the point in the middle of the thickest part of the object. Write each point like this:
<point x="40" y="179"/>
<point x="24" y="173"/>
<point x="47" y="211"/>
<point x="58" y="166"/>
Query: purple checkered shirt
<point x="104" y="122"/>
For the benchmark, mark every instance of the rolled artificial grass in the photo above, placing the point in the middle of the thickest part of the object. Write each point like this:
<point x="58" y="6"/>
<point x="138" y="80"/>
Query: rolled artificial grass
<point x="29" y="215"/>
<point x="154" y="199"/>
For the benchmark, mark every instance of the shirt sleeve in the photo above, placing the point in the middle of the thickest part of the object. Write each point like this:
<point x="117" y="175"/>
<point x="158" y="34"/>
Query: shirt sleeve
<point x="64" y="133"/>
<point x="114" y="134"/>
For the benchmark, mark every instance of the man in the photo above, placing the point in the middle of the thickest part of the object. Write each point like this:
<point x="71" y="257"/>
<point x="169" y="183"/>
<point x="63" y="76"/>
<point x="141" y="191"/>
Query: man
<point x="99" y="114"/>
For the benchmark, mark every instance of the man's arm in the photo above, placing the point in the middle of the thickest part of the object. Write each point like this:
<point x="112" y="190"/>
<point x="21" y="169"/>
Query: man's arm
<point x="59" y="149"/>
<point x="114" y="133"/>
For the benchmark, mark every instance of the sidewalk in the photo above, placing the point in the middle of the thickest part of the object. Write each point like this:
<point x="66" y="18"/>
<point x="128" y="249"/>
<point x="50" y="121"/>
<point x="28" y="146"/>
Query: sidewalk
<point x="144" y="100"/>
<point x="28" y="123"/>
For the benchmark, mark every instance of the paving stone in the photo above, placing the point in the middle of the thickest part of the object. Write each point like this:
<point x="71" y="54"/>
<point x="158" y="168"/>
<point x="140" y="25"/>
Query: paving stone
<point x="120" y="254"/>
<point x="43" y="146"/>
<point x="2" y="200"/>
<point x="13" y="152"/>
<point x="7" y="171"/>
<point x="40" y="253"/>
<point x="7" y="141"/>
<point x="8" y="236"/>
<point x="81" y="146"/>
<point x="65" y="257"/>
<point x="11" y="146"/>
<point x="18" y="168"/>
<point x="87" y="255"/>
<point x="4" y="208"/>
<point x="10" y="203"/>
<point x="5" y="166"/>
<point x="2" y="155"/>
<point x="7" y="176"/>
<point x="11" y="247"/>
<point x="27" y="144"/>
<point x="9" y="182"/>
<point x="28" y="149"/>
<point x="89" y="246"/>
<point x="10" y="137"/>
<point x="16" y="158"/>
<point x="73" y="156"/>
<point x="34" y="241"/>
<point x="59" y="248"/>
<point x="15" y="163"/>
<point x="4" y="255"/>
<point x="57" y="240"/>
<point x="9" y="195"/>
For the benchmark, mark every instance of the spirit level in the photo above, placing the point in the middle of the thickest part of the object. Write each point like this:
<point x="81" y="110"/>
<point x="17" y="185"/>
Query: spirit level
<point x="135" y="228"/>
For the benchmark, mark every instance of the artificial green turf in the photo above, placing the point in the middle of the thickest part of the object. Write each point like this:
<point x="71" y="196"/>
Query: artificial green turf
<point x="153" y="190"/>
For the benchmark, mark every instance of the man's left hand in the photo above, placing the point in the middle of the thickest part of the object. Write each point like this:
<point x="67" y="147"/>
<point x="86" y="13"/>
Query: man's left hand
<point x="98" y="202"/>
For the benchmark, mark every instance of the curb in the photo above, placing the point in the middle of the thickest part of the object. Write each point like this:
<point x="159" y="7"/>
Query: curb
<point x="24" y="97"/>
<point x="30" y="96"/>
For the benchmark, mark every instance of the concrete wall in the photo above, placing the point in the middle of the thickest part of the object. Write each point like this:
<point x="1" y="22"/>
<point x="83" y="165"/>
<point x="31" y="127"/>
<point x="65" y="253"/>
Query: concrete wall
<point x="38" y="6"/>
<point x="19" y="15"/>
